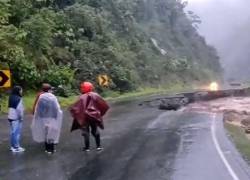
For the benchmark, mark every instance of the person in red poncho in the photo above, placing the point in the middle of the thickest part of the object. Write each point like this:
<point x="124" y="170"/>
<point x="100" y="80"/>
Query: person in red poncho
<point x="88" y="112"/>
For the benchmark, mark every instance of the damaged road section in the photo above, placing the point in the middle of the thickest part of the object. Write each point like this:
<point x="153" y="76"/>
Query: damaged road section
<point x="177" y="101"/>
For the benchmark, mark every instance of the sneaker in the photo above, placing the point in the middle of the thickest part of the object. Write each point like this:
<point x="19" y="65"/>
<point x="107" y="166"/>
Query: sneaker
<point x="99" y="148"/>
<point x="86" y="149"/>
<point x="12" y="149"/>
<point x="20" y="149"/>
<point x="17" y="150"/>
<point x="48" y="152"/>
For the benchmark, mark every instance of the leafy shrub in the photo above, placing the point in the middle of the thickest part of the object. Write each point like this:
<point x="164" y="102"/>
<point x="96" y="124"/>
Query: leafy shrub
<point x="25" y="73"/>
<point x="58" y="75"/>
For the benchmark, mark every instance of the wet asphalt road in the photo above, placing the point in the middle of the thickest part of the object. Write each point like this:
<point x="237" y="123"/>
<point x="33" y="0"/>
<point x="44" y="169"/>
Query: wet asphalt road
<point x="141" y="143"/>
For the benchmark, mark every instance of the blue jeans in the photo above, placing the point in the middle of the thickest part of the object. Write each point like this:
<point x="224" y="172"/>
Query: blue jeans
<point x="15" y="133"/>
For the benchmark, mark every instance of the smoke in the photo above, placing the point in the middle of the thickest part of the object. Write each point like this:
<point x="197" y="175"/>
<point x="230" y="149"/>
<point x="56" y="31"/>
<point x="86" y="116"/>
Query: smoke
<point x="226" y="26"/>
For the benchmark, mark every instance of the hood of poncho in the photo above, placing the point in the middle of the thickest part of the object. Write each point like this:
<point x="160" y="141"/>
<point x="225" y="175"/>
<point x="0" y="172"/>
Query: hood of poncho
<point x="46" y="106"/>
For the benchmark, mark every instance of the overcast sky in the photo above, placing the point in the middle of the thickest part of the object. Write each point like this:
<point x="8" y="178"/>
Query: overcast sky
<point x="226" y="25"/>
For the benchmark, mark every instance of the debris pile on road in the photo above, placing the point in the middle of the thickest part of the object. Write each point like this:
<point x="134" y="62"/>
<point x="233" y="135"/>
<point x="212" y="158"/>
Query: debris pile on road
<point x="173" y="104"/>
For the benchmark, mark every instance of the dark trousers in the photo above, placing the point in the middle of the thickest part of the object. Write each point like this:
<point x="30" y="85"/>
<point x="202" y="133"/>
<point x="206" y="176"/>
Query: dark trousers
<point x="49" y="143"/>
<point x="91" y="126"/>
<point x="49" y="147"/>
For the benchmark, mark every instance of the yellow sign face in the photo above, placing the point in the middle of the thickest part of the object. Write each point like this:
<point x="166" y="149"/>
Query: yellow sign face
<point x="103" y="80"/>
<point x="5" y="78"/>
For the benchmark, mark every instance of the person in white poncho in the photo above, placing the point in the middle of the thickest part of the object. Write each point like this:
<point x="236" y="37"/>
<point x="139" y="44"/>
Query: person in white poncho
<point x="47" y="121"/>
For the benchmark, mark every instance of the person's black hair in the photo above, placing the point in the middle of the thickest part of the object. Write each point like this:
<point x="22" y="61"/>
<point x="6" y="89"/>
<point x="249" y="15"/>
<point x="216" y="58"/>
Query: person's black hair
<point x="16" y="91"/>
<point x="46" y="87"/>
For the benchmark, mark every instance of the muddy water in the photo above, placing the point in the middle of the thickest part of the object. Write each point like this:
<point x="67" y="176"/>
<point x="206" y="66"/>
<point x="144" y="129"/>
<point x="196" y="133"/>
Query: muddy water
<point x="235" y="104"/>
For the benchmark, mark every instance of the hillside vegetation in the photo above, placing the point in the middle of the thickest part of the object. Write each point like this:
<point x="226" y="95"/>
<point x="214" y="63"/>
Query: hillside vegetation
<point x="136" y="42"/>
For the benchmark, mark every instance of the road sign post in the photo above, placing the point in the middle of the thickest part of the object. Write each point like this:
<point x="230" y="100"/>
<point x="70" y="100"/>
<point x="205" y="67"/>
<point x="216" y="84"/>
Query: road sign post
<point x="103" y="80"/>
<point x="5" y="79"/>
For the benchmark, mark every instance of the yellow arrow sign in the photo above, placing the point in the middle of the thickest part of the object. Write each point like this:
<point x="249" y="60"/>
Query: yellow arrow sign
<point x="103" y="80"/>
<point x="5" y="78"/>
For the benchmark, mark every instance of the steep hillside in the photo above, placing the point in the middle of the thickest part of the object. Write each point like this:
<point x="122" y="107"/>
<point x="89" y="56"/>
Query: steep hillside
<point x="135" y="42"/>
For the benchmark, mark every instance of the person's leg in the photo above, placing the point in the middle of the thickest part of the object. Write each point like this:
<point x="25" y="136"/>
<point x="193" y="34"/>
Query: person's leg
<point x="19" y="131"/>
<point x="50" y="136"/>
<point x="85" y="134"/>
<point x="13" y="134"/>
<point x="46" y="144"/>
<point x="54" y="146"/>
<point x="95" y="132"/>
<point x="51" y="146"/>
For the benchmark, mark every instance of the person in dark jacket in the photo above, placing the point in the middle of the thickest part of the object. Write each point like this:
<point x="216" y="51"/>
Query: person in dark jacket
<point x="88" y="112"/>
<point x="15" y="117"/>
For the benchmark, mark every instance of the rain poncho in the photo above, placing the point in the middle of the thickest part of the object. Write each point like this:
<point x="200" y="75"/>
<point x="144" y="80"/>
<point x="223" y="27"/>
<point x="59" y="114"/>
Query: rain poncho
<point x="90" y="106"/>
<point x="47" y="121"/>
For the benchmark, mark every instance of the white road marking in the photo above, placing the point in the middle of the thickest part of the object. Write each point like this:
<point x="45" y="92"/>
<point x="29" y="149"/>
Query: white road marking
<point x="221" y="154"/>
<point x="153" y="124"/>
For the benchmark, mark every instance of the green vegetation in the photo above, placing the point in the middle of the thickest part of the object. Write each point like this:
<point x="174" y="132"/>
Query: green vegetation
<point x="239" y="138"/>
<point x="138" y="43"/>
<point x="141" y="92"/>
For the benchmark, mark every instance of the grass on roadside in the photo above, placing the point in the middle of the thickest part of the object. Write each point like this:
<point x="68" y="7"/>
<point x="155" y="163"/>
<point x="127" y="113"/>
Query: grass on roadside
<point x="114" y="96"/>
<point x="240" y="139"/>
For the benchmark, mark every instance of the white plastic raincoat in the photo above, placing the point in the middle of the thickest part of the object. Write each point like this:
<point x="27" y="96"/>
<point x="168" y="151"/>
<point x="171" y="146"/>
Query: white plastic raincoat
<point x="47" y="120"/>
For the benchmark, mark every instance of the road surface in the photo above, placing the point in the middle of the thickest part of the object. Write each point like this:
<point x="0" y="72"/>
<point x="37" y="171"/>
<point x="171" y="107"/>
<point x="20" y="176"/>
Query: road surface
<point x="141" y="143"/>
